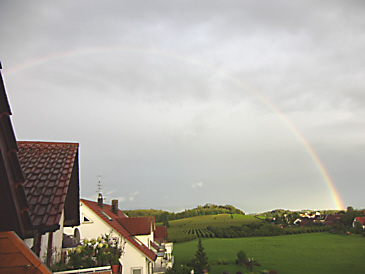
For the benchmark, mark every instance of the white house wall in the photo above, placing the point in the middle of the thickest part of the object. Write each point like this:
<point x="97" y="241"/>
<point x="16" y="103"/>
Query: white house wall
<point x="29" y="242"/>
<point x="145" y="239"/>
<point x="97" y="227"/>
<point x="56" y="243"/>
<point x="133" y="258"/>
<point x="57" y="239"/>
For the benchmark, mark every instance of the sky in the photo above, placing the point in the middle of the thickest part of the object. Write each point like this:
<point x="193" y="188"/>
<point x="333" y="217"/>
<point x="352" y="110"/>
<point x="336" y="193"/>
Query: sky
<point x="256" y="104"/>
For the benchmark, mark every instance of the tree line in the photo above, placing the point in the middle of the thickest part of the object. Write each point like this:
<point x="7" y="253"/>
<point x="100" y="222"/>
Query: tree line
<point x="165" y="216"/>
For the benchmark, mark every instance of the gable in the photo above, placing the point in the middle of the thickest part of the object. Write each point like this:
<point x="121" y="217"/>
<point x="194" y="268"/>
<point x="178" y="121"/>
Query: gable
<point x="14" y="214"/>
<point x="51" y="182"/>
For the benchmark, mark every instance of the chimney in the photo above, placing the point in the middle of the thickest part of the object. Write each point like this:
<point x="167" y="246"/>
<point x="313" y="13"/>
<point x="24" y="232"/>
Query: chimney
<point x="100" y="200"/>
<point x="115" y="207"/>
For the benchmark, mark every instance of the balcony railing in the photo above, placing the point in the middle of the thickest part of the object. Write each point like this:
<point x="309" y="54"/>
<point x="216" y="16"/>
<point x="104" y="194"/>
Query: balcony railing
<point x="99" y="269"/>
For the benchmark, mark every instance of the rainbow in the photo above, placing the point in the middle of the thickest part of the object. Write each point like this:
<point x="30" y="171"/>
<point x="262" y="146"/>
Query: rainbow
<point x="309" y="149"/>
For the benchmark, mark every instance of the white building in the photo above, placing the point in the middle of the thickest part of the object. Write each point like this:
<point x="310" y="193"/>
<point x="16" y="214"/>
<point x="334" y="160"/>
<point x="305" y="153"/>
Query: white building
<point x="135" y="234"/>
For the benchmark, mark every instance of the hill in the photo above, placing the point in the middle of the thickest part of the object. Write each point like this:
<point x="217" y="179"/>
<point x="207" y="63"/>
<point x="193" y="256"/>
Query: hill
<point x="164" y="216"/>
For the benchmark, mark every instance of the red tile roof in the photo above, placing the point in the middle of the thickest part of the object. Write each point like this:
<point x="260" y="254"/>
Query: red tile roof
<point x="332" y="219"/>
<point x="361" y="220"/>
<point x="161" y="234"/>
<point x="115" y="223"/>
<point x="14" y="214"/>
<point x="138" y="225"/>
<point x="155" y="246"/>
<point x="48" y="168"/>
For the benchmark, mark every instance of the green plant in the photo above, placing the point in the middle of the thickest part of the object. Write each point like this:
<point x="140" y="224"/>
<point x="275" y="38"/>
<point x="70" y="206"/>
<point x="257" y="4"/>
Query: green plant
<point x="200" y="261"/>
<point x="102" y="251"/>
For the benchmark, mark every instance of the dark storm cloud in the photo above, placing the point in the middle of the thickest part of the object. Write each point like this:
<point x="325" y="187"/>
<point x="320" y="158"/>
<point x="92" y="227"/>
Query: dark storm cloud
<point x="170" y="97"/>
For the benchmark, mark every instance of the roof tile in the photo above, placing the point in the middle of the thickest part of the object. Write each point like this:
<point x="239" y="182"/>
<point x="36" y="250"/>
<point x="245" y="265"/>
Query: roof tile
<point x="161" y="234"/>
<point x="138" y="225"/>
<point x="42" y="164"/>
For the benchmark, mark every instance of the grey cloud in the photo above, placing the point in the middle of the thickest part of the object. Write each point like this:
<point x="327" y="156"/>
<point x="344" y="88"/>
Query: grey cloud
<point x="167" y="94"/>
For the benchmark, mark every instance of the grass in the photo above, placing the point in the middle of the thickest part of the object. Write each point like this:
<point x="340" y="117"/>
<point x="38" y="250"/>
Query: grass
<point x="303" y="253"/>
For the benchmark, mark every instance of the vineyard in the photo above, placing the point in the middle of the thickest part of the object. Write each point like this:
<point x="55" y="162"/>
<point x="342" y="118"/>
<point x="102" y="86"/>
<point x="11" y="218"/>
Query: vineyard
<point x="199" y="232"/>
<point x="191" y="228"/>
<point x="230" y="226"/>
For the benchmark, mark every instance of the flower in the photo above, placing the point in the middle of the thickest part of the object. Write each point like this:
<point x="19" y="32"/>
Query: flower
<point x="101" y="251"/>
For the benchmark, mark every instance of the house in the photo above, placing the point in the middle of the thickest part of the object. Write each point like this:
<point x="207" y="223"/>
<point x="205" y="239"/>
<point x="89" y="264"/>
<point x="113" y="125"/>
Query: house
<point x="164" y="253"/>
<point x="304" y="221"/>
<point x="136" y="235"/>
<point x="361" y="220"/>
<point x="13" y="202"/>
<point x="16" y="224"/>
<point x="332" y="219"/>
<point x="51" y="171"/>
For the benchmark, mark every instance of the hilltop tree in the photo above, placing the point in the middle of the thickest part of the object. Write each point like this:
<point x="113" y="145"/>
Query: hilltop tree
<point x="200" y="261"/>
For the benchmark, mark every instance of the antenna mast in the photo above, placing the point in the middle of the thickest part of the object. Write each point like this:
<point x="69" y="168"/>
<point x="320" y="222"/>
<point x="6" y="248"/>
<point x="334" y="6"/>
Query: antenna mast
<point x="99" y="185"/>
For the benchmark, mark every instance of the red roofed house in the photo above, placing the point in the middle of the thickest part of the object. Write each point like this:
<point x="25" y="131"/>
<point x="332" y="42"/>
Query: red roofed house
<point x="155" y="238"/>
<point x="361" y="220"/>
<point x="51" y="184"/>
<point x="161" y="234"/>
<point x="332" y="219"/>
<point x="14" y="209"/>
<point x="165" y="248"/>
<point x="137" y="234"/>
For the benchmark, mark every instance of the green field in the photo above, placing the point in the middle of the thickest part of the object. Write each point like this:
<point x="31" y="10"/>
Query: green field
<point x="302" y="253"/>
<point x="197" y="225"/>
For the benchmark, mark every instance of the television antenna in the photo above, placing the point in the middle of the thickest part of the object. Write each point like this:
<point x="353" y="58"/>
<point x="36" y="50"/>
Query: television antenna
<point x="99" y="185"/>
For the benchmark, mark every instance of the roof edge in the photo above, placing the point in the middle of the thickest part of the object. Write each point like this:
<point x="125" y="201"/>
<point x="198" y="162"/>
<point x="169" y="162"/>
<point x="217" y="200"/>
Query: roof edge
<point x="48" y="142"/>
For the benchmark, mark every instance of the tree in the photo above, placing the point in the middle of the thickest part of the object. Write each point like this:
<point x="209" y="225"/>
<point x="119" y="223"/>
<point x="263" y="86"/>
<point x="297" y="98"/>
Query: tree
<point x="348" y="217"/>
<point x="241" y="255"/>
<point x="200" y="261"/>
<point x="358" y="228"/>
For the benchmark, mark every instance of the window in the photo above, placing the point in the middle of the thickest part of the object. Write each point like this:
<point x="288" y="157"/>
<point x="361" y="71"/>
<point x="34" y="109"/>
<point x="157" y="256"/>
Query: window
<point x="85" y="219"/>
<point x="136" y="270"/>
<point x="106" y="215"/>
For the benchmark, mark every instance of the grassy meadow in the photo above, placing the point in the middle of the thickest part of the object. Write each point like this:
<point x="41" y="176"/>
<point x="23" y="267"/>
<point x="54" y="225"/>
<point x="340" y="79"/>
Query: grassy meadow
<point x="302" y="253"/>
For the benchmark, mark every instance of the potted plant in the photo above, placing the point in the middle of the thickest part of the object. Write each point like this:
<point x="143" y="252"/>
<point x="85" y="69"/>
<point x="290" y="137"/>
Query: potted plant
<point x="115" y="263"/>
<point x="115" y="252"/>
